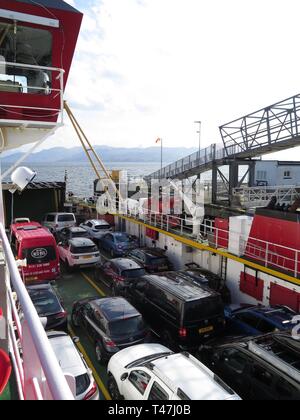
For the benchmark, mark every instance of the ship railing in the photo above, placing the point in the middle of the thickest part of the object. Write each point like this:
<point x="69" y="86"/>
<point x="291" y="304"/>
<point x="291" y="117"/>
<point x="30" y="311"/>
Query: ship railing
<point x="37" y="371"/>
<point x="285" y="194"/>
<point x="266" y="253"/>
<point x="27" y="79"/>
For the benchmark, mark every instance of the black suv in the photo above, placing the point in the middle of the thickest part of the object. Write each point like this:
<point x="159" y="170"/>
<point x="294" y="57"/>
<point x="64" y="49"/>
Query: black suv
<point x="262" y="368"/>
<point x="112" y="323"/>
<point x="181" y="313"/>
<point x="153" y="259"/>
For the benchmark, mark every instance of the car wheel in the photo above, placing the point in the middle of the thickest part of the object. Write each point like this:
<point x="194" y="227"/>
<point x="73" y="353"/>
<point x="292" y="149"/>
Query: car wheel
<point x="113" y="389"/>
<point x="99" y="353"/>
<point x="74" y="319"/>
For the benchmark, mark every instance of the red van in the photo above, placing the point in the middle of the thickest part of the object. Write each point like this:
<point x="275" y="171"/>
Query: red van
<point x="35" y="243"/>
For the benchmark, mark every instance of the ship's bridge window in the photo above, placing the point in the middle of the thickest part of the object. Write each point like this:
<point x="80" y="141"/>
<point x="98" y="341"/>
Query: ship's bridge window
<point x="287" y="175"/>
<point x="29" y="46"/>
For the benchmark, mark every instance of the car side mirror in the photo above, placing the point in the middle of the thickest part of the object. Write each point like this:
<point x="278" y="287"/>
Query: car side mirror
<point x="124" y="377"/>
<point x="76" y="340"/>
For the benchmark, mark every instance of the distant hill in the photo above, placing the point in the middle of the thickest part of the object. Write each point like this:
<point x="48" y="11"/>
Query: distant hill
<point x="108" y="154"/>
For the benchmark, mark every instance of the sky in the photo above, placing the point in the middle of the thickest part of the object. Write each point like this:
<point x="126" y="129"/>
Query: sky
<point x="149" y="68"/>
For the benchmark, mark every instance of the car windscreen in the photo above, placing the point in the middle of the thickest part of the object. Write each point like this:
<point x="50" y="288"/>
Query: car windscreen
<point x="82" y="383"/>
<point x="101" y="227"/>
<point x="80" y="235"/>
<point x="45" y="302"/>
<point x="209" y="307"/>
<point x="65" y="218"/>
<point x="157" y="260"/>
<point x="83" y="249"/>
<point x="126" y="326"/>
<point x="39" y="255"/>
<point x="133" y="274"/>
<point x="121" y="238"/>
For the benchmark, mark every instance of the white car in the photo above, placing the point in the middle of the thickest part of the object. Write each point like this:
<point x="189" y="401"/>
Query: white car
<point x="55" y="222"/>
<point x="96" y="228"/>
<point x="79" y="252"/>
<point x="153" y="372"/>
<point x="73" y="363"/>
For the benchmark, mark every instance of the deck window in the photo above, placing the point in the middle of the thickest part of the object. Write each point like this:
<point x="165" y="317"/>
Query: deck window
<point x="24" y="45"/>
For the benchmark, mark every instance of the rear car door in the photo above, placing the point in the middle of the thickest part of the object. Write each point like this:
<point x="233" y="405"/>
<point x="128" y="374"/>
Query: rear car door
<point x="234" y="367"/>
<point x="135" y="386"/>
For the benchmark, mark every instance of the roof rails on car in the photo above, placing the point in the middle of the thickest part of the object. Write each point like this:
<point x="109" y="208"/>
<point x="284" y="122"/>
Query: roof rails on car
<point x="271" y="357"/>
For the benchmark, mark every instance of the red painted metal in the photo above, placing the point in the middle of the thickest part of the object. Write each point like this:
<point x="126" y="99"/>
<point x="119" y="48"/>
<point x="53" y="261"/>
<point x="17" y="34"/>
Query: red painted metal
<point x="281" y="234"/>
<point x="280" y="295"/>
<point x="152" y="234"/>
<point x="252" y="286"/>
<point x="64" y="43"/>
<point x="221" y="233"/>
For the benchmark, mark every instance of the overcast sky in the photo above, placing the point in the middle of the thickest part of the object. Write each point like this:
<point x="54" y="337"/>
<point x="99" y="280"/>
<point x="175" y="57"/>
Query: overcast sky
<point x="149" y="68"/>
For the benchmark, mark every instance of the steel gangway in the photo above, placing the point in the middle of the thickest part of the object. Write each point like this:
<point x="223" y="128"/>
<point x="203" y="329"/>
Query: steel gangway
<point x="271" y="129"/>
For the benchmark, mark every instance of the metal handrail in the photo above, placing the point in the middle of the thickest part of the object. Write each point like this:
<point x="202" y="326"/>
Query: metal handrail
<point x="56" y="380"/>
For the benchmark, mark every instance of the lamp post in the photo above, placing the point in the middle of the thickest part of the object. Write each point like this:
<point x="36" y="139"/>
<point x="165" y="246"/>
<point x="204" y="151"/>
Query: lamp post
<point x="199" y="132"/>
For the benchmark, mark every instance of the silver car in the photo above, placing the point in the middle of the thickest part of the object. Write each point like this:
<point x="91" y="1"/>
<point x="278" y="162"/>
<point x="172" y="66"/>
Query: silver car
<point x="96" y="228"/>
<point x="73" y="363"/>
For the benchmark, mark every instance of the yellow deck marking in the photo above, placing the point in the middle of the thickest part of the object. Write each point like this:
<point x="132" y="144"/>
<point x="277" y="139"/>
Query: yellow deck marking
<point x="90" y="364"/>
<point x="88" y="279"/>
<point x="223" y="253"/>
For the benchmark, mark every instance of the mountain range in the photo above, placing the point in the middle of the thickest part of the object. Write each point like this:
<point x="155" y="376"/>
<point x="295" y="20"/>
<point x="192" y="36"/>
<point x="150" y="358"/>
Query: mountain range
<point x="107" y="154"/>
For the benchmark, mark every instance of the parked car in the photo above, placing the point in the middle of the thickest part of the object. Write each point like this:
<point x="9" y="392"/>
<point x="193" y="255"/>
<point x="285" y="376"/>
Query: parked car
<point x="257" y="320"/>
<point x="79" y="252"/>
<point x="118" y="243"/>
<point x="215" y="282"/>
<point x="31" y="241"/>
<point x="49" y="305"/>
<point x="96" y="228"/>
<point x="153" y="372"/>
<point x="117" y="272"/>
<point x="71" y="233"/>
<point x="73" y="363"/>
<point x="58" y="221"/>
<point x="153" y="259"/>
<point x="112" y="323"/>
<point x="182" y="314"/>
<point x="260" y="368"/>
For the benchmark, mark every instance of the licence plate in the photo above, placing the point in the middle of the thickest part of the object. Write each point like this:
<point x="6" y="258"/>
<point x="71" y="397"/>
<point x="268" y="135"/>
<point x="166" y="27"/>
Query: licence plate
<point x="206" y="330"/>
<point x="87" y="257"/>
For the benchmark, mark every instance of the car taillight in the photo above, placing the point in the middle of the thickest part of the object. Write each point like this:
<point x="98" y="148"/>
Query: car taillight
<point x="182" y="332"/>
<point x="91" y="392"/>
<point x="109" y="343"/>
<point x="62" y="315"/>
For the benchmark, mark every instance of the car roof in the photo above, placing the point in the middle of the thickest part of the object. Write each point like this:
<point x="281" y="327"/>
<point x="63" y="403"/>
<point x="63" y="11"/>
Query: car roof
<point x="76" y="229"/>
<point x="153" y="252"/>
<point x="180" y="287"/>
<point x="115" y="308"/>
<point x="67" y="354"/>
<point x="276" y="315"/>
<point x="78" y="242"/>
<point x="126" y="263"/>
<point x="44" y="286"/>
<point x="192" y="377"/>
<point x="98" y="222"/>
<point x="58" y="213"/>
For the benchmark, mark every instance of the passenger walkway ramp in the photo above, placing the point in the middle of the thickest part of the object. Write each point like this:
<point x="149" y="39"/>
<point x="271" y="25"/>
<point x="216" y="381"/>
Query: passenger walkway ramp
<point x="271" y="129"/>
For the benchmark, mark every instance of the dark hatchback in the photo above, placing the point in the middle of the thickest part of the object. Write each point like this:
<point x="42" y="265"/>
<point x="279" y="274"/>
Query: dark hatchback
<point x="153" y="259"/>
<point x="199" y="275"/>
<point x="48" y="305"/>
<point x="118" y="272"/>
<point x="181" y="313"/>
<point x="112" y="323"/>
